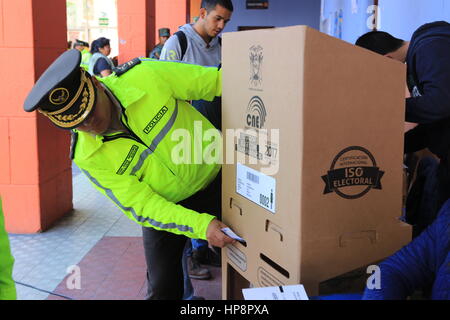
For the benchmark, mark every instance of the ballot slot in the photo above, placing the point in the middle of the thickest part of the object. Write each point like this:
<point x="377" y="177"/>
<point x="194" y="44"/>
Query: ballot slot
<point x="274" y="265"/>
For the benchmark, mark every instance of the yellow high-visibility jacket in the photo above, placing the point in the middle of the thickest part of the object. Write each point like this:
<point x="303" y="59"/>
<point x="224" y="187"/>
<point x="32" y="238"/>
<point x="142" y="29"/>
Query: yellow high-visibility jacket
<point x="139" y="171"/>
<point x="7" y="286"/>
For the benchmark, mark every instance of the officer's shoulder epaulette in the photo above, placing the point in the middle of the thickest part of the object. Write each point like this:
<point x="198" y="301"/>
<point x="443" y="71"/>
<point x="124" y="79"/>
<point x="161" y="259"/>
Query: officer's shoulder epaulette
<point x="73" y="143"/>
<point x="124" y="67"/>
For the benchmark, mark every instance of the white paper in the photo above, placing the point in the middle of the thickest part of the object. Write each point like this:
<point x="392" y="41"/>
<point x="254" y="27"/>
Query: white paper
<point x="291" y="292"/>
<point x="233" y="235"/>
<point x="256" y="186"/>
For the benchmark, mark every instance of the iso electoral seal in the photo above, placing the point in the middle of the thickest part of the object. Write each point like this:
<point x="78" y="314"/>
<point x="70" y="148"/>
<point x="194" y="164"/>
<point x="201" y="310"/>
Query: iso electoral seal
<point x="353" y="173"/>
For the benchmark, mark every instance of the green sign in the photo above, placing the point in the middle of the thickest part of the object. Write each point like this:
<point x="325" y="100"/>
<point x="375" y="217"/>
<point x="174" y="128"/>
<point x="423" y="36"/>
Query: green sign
<point x="103" y="21"/>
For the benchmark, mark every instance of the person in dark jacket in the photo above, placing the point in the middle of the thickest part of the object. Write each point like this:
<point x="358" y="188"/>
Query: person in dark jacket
<point x="164" y="34"/>
<point x="428" y="82"/>
<point x="423" y="262"/>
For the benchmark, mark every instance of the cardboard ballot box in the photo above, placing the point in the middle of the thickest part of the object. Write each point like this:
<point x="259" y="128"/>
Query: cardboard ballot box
<point x="312" y="175"/>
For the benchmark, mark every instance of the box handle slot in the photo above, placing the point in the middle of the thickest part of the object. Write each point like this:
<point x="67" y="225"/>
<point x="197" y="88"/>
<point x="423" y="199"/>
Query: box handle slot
<point x="274" y="265"/>
<point x="368" y="234"/>
<point x="233" y="203"/>
<point x="275" y="228"/>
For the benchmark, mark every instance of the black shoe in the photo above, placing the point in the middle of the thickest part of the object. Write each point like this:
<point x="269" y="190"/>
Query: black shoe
<point x="205" y="255"/>
<point x="196" y="271"/>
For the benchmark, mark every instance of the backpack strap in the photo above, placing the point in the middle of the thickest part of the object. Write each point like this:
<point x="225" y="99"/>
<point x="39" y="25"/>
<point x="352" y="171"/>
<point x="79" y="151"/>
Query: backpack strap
<point x="183" y="42"/>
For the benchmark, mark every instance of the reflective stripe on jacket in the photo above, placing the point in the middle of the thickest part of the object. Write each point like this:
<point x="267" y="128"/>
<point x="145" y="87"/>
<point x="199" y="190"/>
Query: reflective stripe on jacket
<point x="138" y="171"/>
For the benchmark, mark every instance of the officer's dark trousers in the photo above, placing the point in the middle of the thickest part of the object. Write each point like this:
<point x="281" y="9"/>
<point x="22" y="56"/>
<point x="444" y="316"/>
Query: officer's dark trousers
<point x="164" y="250"/>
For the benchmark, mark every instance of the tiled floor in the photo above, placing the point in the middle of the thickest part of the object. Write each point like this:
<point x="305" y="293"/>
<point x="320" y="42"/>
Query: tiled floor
<point x="101" y="241"/>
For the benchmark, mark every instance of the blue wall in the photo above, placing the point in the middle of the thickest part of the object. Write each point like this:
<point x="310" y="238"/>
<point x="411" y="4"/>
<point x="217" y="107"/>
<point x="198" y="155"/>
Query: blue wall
<point x="345" y="19"/>
<point x="398" y="17"/>
<point x="281" y="13"/>
<point x="402" y="17"/>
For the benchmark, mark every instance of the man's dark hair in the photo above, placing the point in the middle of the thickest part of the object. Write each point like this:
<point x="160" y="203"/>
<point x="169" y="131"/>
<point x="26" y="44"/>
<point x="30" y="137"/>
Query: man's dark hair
<point x="211" y="4"/>
<point x="379" y="42"/>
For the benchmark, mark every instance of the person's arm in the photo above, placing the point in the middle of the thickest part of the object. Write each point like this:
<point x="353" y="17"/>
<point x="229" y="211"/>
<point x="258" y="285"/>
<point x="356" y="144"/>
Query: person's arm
<point x="7" y="286"/>
<point x="105" y="73"/>
<point x="102" y="67"/>
<point x="189" y="81"/>
<point x="141" y="204"/>
<point x="409" y="125"/>
<point x="414" y="265"/>
<point x="154" y="54"/>
<point x="432" y="67"/>
<point x="171" y="50"/>
<point x="415" y="139"/>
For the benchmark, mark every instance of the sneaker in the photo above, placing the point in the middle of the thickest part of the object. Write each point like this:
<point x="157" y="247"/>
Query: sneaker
<point x="196" y="271"/>
<point x="204" y="255"/>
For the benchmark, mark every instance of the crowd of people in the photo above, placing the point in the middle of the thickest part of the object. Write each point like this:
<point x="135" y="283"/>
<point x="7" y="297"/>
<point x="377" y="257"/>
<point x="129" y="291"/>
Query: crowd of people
<point x="95" y="58"/>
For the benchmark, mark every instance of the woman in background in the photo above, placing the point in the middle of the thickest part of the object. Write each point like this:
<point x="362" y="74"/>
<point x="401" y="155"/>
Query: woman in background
<point x="100" y="64"/>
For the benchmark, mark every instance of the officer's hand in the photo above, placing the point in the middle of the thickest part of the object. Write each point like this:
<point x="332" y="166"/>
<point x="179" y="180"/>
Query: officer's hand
<point x="215" y="236"/>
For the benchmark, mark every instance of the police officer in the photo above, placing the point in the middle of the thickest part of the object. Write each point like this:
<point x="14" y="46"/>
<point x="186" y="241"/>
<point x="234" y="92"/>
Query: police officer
<point x="86" y="55"/>
<point x="164" y="34"/>
<point x="7" y="286"/>
<point x="124" y="127"/>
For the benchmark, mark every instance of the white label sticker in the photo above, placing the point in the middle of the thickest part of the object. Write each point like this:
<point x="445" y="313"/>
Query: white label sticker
<point x="256" y="187"/>
<point x="237" y="257"/>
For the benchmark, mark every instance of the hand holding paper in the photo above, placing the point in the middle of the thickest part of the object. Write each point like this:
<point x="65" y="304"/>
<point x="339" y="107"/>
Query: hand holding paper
<point x="215" y="236"/>
<point x="233" y="235"/>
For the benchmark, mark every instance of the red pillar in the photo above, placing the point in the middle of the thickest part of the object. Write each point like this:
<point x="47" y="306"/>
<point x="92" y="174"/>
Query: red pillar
<point x="136" y="23"/>
<point x="139" y="21"/>
<point x="35" y="169"/>
<point x="171" y="14"/>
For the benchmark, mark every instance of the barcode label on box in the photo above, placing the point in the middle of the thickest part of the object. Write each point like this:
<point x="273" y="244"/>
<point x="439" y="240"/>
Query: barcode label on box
<point x="256" y="186"/>
<point x="252" y="177"/>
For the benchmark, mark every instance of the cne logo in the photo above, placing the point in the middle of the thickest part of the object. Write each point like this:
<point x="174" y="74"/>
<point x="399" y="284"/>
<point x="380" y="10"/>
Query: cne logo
<point x="256" y="113"/>
<point x="59" y="96"/>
